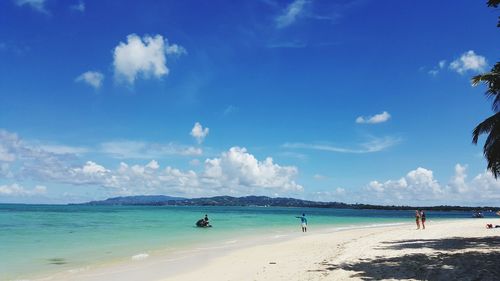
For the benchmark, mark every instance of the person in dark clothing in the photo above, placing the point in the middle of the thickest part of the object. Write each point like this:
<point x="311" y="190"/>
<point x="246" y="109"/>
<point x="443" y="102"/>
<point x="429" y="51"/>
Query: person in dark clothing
<point x="422" y="218"/>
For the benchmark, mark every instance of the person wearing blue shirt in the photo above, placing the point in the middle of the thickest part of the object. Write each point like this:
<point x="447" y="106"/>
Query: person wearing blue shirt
<point x="303" y="222"/>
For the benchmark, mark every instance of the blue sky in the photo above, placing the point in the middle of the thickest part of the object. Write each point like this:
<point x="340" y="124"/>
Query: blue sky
<point x="354" y="101"/>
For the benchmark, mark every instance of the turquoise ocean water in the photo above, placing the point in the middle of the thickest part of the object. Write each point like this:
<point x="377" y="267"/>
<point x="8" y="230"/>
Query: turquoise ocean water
<point x="43" y="239"/>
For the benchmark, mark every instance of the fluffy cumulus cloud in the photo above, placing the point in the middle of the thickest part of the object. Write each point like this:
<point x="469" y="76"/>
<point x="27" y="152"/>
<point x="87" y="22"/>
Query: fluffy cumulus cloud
<point x="18" y="190"/>
<point x="469" y="61"/>
<point x="420" y="187"/>
<point x="235" y="171"/>
<point x="199" y="133"/>
<point x="375" y="119"/>
<point x="419" y="183"/>
<point x="291" y="13"/>
<point x="37" y="5"/>
<point x="143" y="57"/>
<point x="93" y="78"/>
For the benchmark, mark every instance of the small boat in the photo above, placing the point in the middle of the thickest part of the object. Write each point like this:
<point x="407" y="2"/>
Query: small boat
<point x="478" y="215"/>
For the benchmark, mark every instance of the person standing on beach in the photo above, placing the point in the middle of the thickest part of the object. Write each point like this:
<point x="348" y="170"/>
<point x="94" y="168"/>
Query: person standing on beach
<point x="303" y="222"/>
<point x="417" y="218"/>
<point x="422" y="218"/>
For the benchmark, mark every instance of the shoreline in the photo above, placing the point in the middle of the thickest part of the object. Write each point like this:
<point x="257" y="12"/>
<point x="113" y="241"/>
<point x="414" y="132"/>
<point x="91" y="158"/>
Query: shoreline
<point x="170" y="265"/>
<point x="181" y="258"/>
<point x="320" y="254"/>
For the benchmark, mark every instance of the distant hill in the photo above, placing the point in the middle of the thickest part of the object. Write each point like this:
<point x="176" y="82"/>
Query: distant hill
<point x="262" y="201"/>
<point x="256" y="201"/>
<point x="136" y="200"/>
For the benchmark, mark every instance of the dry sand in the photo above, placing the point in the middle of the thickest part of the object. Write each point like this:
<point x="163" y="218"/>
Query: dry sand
<point x="446" y="250"/>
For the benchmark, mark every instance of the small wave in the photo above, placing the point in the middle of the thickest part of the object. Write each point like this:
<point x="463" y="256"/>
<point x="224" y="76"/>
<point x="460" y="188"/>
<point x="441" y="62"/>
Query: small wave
<point x="139" y="257"/>
<point x="385" y="224"/>
<point x="211" y="248"/>
<point x="354" y="226"/>
<point x="231" y="242"/>
<point x="77" y="270"/>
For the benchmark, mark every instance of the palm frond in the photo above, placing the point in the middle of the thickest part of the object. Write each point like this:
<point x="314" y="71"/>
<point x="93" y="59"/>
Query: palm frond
<point x="485" y="127"/>
<point x="493" y="3"/>
<point x="492" y="81"/>
<point x="492" y="155"/>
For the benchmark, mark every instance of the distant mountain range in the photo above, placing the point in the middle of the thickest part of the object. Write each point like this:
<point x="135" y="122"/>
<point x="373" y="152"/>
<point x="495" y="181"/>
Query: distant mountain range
<point x="137" y="200"/>
<point x="261" y="201"/>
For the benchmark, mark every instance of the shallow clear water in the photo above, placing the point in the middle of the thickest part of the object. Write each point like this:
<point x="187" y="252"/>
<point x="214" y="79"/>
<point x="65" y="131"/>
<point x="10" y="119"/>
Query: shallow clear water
<point x="37" y="239"/>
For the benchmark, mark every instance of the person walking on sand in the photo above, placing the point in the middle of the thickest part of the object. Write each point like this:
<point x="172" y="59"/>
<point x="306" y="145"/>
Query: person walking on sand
<point x="303" y="222"/>
<point x="417" y="218"/>
<point x="422" y="218"/>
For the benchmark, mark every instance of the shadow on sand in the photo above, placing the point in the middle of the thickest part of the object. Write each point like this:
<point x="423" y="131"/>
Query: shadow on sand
<point x="455" y="258"/>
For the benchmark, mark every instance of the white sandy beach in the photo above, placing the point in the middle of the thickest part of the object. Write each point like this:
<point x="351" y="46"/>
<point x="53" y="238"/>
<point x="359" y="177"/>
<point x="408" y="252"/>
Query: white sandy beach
<point x="446" y="250"/>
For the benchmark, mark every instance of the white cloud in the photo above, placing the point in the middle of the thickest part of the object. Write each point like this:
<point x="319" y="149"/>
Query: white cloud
<point x="18" y="190"/>
<point x="93" y="78"/>
<point x="5" y="171"/>
<point x="293" y="11"/>
<point x="319" y="177"/>
<point x="175" y="50"/>
<point x="335" y="194"/>
<point x="153" y="164"/>
<point x="5" y="155"/>
<point x="37" y="5"/>
<point x="92" y="168"/>
<point x="199" y="133"/>
<point x="146" y="150"/>
<point x="433" y="72"/>
<point x="418" y="184"/>
<point x="419" y="187"/>
<point x="469" y="61"/>
<point x="374" y="145"/>
<point x="63" y="149"/>
<point x="143" y="57"/>
<point x="237" y="169"/>
<point x="375" y="119"/>
<point x="80" y="7"/>
<point x="442" y="64"/>
<point x="235" y="172"/>
<point x="9" y="143"/>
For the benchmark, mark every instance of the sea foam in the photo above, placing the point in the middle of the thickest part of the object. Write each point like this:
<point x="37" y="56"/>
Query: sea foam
<point x="140" y="256"/>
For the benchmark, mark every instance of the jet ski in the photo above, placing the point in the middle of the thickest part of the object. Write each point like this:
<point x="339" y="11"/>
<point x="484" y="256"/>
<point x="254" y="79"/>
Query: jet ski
<point x="202" y="223"/>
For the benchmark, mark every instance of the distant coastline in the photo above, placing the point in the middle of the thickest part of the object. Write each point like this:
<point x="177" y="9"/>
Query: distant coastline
<point x="264" y="201"/>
